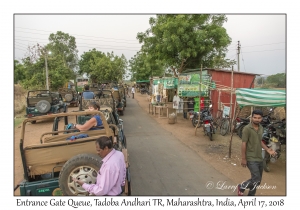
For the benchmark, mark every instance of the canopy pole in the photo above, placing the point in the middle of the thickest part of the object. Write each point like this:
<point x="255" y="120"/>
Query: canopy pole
<point x="199" y="100"/>
<point x="231" y="89"/>
<point x="232" y="129"/>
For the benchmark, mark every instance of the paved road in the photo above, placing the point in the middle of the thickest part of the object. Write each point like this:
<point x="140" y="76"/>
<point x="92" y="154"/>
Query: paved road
<point x="160" y="164"/>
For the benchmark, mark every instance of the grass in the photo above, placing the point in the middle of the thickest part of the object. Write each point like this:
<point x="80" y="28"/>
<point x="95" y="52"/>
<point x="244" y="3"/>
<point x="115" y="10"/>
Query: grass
<point x="18" y="121"/>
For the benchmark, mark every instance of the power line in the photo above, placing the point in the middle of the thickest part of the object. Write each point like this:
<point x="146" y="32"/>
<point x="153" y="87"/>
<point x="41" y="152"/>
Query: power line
<point x="80" y="43"/>
<point x="257" y="45"/>
<point x="21" y="49"/>
<point x="243" y="60"/>
<point x="264" y="50"/>
<point x="89" y="46"/>
<point x="79" y="35"/>
<point x="21" y="46"/>
<point x="82" y="38"/>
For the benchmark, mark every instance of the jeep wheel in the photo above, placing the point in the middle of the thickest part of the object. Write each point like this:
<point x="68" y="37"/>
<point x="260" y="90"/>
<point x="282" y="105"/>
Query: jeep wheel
<point x="68" y="97"/>
<point x="43" y="106"/>
<point x="83" y="167"/>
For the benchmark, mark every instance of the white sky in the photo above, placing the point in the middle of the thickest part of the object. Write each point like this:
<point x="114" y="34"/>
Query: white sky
<point x="262" y="37"/>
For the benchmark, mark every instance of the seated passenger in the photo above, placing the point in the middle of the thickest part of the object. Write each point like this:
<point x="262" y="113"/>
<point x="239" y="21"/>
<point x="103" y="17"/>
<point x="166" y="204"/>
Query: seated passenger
<point x="87" y="94"/>
<point x="93" y="122"/>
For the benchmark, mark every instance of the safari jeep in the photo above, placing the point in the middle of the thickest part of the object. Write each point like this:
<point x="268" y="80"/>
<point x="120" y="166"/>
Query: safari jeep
<point x="107" y="107"/>
<point x="123" y="93"/>
<point x="44" y="102"/>
<point x="117" y="95"/>
<point x="70" y="96"/>
<point x="51" y="161"/>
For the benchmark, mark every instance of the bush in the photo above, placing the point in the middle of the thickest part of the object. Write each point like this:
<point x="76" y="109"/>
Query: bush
<point x="19" y="99"/>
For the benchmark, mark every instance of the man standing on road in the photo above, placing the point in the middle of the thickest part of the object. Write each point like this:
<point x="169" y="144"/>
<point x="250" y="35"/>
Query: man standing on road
<point x="132" y="91"/>
<point x="87" y="94"/>
<point x="112" y="174"/>
<point x="252" y="153"/>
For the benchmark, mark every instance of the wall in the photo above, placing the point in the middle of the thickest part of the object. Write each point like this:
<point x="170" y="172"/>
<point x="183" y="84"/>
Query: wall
<point x="224" y="78"/>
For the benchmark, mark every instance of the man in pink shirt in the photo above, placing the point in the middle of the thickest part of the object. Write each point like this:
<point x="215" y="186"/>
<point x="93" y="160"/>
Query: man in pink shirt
<point x="112" y="173"/>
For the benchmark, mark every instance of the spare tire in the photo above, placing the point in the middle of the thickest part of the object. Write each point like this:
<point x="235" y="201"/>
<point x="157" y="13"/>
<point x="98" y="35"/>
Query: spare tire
<point x="83" y="167"/>
<point x="43" y="106"/>
<point x="68" y="97"/>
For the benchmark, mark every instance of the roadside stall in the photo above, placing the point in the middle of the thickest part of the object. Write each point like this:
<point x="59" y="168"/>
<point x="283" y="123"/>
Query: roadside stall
<point x="189" y="91"/>
<point x="258" y="98"/>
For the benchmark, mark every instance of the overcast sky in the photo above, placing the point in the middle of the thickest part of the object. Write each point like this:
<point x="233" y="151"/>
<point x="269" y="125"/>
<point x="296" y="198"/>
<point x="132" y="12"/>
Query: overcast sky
<point x="262" y="37"/>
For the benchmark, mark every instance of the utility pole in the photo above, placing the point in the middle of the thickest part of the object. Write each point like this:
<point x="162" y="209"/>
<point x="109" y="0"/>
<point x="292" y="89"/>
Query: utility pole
<point x="238" y="52"/>
<point x="46" y="64"/>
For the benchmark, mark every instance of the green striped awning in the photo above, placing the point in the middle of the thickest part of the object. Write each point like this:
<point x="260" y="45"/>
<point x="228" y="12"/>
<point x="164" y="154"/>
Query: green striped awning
<point x="260" y="97"/>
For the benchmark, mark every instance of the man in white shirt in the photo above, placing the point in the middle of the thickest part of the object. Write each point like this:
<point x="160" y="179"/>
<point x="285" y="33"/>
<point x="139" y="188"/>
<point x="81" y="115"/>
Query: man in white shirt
<point x="132" y="91"/>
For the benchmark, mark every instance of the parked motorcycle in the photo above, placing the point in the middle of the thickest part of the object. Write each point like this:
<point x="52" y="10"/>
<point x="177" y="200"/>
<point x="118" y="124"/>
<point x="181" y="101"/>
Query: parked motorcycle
<point x="208" y="124"/>
<point x="240" y="124"/>
<point x="265" y="122"/>
<point x="194" y="116"/>
<point x="270" y="139"/>
<point x="144" y="91"/>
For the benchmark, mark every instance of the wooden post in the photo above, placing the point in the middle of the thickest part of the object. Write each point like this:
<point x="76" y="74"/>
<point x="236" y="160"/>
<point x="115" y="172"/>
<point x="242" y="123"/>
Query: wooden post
<point x="199" y="100"/>
<point x="231" y="89"/>
<point x="230" y="143"/>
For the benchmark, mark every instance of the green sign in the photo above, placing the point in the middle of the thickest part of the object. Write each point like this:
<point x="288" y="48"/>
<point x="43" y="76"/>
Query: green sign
<point x="169" y="83"/>
<point x="189" y="85"/>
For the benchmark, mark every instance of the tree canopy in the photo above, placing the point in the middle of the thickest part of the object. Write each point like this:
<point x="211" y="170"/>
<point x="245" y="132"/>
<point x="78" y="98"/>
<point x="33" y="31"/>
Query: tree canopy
<point x="142" y="67"/>
<point x="61" y="63"/>
<point x="186" y="41"/>
<point x="102" y="67"/>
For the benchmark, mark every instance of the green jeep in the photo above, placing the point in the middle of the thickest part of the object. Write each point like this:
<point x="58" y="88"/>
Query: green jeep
<point x="44" y="102"/>
<point x="50" y="160"/>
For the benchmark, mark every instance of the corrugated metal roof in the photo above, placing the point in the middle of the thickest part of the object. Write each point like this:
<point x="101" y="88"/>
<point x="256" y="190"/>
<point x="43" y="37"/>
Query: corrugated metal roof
<point x="222" y="70"/>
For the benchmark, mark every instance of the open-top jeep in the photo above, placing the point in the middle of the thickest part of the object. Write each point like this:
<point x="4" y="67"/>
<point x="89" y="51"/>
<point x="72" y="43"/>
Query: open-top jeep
<point x="70" y="96"/>
<point x="44" y="102"/>
<point x="107" y="107"/>
<point x="117" y="95"/>
<point x="123" y="93"/>
<point x="52" y="161"/>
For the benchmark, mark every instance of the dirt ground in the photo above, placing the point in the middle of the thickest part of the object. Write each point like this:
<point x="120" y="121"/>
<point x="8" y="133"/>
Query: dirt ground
<point x="214" y="152"/>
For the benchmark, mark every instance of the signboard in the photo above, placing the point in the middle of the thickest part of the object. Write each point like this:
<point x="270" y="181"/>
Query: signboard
<point x="226" y="111"/>
<point x="169" y="83"/>
<point x="189" y="85"/>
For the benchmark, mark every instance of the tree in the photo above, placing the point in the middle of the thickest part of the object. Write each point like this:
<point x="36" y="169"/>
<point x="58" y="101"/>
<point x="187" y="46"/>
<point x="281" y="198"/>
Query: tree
<point x="186" y="41"/>
<point x="61" y="63"/>
<point x="64" y="45"/>
<point x="277" y="80"/>
<point x="102" y="67"/>
<point x="142" y="67"/>
<point x="19" y="72"/>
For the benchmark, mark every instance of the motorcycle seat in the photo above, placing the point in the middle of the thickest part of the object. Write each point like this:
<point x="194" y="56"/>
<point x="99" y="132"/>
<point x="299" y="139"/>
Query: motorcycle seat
<point x="245" y="119"/>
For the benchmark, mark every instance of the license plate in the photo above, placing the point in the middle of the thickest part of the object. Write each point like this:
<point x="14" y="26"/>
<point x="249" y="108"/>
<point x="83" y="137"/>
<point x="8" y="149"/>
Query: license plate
<point x="206" y="125"/>
<point x="191" y="116"/>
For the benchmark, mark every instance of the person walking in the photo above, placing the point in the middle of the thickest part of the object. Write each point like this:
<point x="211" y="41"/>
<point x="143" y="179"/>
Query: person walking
<point x="112" y="173"/>
<point x="252" y="153"/>
<point x="127" y="91"/>
<point x="132" y="91"/>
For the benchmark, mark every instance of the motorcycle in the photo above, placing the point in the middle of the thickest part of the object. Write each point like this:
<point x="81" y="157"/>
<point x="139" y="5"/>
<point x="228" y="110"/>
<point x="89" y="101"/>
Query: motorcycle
<point x="265" y="122"/>
<point x="208" y="124"/>
<point x="143" y="91"/>
<point x="194" y="116"/>
<point x="240" y="124"/>
<point x="270" y="139"/>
